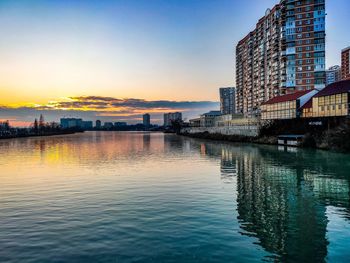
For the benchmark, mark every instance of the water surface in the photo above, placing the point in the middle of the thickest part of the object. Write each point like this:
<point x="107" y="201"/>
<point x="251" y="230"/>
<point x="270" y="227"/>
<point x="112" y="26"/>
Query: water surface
<point x="150" y="197"/>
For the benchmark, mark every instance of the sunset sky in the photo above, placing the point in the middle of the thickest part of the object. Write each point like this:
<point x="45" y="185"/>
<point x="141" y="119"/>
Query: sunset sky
<point x="115" y="60"/>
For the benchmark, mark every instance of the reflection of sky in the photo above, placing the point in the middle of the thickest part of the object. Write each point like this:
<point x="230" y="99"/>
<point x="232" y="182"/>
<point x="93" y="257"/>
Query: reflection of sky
<point x="207" y="193"/>
<point x="287" y="199"/>
<point x="338" y="230"/>
<point x="172" y="50"/>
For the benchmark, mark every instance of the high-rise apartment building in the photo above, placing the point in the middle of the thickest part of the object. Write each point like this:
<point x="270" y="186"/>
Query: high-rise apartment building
<point x="227" y="101"/>
<point x="333" y="74"/>
<point x="98" y="124"/>
<point x="172" y="116"/>
<point x="146" y="120"/>
<point x="285" y="53"/>
<point x="345" y="63"/>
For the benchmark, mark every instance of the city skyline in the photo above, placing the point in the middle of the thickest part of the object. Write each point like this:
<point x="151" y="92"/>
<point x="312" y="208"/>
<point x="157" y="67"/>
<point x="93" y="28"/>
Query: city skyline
<point x="59" y="53"/>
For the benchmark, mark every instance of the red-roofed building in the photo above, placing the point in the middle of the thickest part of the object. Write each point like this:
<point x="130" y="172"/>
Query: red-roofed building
<point x="307" y="111"/>
<point x="286" y="106"/>
<point x="332" y="101"/>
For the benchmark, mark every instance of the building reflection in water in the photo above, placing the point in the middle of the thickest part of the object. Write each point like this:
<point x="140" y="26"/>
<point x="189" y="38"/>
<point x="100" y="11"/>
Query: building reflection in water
<point x="282" y="196"/>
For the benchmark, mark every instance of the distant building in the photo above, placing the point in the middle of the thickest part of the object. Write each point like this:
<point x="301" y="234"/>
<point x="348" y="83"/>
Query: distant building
<point x="208" y="119"/>
<point x="286" y="106"/>
<point x="345" y="63"/>
<point x="87" y="125"/>
<point x="68" y="123"/>
<point x="120" y="124"/>
<point x="146" y="120"/>
<point x="227" y="100"/>
<point x="108" y="125"/>
<point x="333" y="74"/>
<point x="98" y="124"/>
<point x="172" y="116"/>
<point x="195" y="122"/>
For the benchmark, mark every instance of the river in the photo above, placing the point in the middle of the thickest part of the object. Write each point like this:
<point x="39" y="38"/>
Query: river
<point x="153" y="197"/>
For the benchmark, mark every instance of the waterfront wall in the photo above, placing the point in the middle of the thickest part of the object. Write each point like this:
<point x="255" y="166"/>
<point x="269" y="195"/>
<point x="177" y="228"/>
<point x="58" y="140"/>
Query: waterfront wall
<point x="248" y="130"/>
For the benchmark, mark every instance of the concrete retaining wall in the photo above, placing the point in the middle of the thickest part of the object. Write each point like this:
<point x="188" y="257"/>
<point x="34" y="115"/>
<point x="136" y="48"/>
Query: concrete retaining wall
<point x="242" y="130"/>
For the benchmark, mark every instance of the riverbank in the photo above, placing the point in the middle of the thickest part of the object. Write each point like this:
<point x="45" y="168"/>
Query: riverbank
<point x="335" y="139"/>
<point x="14" y="136"/>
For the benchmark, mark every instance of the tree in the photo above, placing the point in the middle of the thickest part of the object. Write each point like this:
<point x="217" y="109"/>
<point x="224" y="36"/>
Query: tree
<point x="41" y="122"/>
<point x="36" y="126"/>
<point x="7" y="125"/>
<point x="176" y="125"/>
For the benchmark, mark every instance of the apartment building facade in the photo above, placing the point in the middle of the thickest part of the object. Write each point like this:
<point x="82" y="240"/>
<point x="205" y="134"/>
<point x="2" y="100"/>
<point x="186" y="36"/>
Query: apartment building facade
<point x="170" y="117"/>
<point x="345" y="63"/>
<point x="333" y="74"/>
<point x="285" y="53"/>
<point x="227" y="100"/>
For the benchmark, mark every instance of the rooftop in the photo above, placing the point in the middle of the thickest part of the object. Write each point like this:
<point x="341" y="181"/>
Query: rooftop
<point x="345" y="49"/>
<point x="307" y="105"/>
<point x="335" y="88"/>
<point x="288" y="97"/>
<point x="213" y="112"/>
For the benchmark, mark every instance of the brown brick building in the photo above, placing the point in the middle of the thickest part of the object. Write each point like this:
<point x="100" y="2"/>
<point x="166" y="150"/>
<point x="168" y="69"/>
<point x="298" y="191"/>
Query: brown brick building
<point x="285" y="53"/>
<point x="345" y="63"/>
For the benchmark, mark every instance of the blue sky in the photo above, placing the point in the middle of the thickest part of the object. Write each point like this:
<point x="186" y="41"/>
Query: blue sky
<point x="153" y="50"/>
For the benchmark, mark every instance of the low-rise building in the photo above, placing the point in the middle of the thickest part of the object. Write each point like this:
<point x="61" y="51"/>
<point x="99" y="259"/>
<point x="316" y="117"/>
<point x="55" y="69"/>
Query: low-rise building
<point x="195" y="122"/>
<point x="286" y="106"/>
<point x="120" y="124"/>
<point x="98" y="124"/>
<point x="69" y="123"/>
<point x="208" y="119"/>
<point x="87" y="125"/>
<point x="332" y="101"/>
<point x="108" y="125"/>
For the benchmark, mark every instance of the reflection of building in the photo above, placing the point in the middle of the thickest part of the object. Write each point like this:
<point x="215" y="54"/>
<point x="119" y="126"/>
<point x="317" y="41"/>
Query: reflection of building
<point x="146" y="139"/>
<point x="345" y="63"/>
<point x="333" y="74"/>
<point x="280" y="210"/>
<point x="172" y="116"/>
<point x="228" y="164"/>
<point x="282" y="197"/>
<point x="227" y="101"/>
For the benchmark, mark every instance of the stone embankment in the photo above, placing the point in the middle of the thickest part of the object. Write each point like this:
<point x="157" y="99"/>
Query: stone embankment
<point x="334" y="134"/>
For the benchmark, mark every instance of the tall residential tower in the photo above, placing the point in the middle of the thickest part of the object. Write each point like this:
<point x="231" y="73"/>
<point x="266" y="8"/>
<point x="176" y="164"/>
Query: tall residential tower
<point x="345" y="63"/>
<point x="227" y="101"/>
<point x="285" y="53"/>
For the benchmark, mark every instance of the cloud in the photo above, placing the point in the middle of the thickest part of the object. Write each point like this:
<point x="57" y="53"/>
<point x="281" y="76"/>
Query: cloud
<point x="95" y="102"/>
<point x="106" y="109"/>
